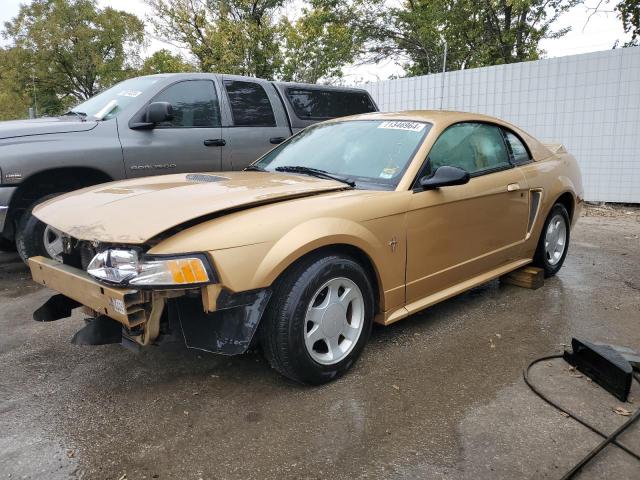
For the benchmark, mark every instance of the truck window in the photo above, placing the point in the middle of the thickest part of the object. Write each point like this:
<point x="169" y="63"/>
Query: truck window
<point x="309" y="103"/>
<point x="194" y="102"/>
<point x="250" y="106"/>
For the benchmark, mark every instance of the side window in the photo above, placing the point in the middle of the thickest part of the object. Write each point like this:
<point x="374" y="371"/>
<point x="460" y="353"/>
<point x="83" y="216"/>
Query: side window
<point x="474" y="147"/>
<point x="520" y="153"/>
<point x="250" y="106"/>
<point x="309" y="103"/>
<point x="194" y="102"/>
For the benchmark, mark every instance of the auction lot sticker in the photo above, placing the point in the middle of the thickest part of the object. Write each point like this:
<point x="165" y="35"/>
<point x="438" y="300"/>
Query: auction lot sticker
<point x="401" y="125"/>
<point x="129" y="93"/>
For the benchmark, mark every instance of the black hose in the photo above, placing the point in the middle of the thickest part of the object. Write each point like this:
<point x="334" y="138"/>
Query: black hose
<point x="608" y="439"/>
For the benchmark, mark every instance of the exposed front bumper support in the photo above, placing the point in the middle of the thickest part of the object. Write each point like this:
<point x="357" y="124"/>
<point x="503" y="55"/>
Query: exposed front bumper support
<point x="123" y="305"/>
<point x="228" y="329"/>
<point x="139" y="312"/>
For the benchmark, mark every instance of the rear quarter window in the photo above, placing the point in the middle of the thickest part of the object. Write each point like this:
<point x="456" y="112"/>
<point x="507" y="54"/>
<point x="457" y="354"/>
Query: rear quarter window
<point x="317" y="104"/>
<point x="250" y="105"/>
<point x="519" y="151"/>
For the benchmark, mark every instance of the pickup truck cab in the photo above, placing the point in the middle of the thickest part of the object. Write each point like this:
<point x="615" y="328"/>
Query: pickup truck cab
<point x="157" y="124"/>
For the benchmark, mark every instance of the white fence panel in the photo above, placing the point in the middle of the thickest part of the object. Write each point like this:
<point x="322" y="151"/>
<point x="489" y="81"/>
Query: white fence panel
<point x="589" y="102"/>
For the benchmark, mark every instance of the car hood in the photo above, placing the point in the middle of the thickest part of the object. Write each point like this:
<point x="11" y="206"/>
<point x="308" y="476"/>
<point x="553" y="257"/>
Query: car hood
<point x="43" y="126"/>
<point x="135" y="211"/>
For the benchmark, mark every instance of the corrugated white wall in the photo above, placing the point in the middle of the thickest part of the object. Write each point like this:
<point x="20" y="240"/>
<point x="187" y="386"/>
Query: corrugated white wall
<point x="589" y="102"/>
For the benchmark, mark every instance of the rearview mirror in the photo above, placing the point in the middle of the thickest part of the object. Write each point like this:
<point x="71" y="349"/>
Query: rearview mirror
<point x="445" y="176"/>
<point x="158" y="112"/>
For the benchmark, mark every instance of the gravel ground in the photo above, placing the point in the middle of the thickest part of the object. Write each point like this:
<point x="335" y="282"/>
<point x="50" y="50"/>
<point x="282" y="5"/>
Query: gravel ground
<point x="439" y="395"/>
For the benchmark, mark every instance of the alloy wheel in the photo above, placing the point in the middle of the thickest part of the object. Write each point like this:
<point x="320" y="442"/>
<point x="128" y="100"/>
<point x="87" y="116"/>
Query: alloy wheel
<point x="334" y="321"/>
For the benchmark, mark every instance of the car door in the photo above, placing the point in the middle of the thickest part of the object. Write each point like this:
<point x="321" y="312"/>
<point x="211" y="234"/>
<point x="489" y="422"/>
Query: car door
<point x="257" y="121"/>
<point x="456" y="233"/>
<point x="190" y="142"/>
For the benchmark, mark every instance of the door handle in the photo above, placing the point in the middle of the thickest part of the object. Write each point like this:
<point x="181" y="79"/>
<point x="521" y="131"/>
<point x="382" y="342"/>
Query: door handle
<point x="277" y="140"/>
<point x="513" y="187"/>
<point x="215" y="142"/>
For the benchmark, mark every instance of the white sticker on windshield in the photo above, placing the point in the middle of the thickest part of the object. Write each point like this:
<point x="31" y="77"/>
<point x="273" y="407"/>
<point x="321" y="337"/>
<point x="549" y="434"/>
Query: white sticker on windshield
<point x="388" y="172"/>
<point x="129" y="93"/>
<point x="402" y="125"/>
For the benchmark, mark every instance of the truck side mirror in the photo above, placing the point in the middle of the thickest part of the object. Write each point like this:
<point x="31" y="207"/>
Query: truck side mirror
<point x="158" y="112"/>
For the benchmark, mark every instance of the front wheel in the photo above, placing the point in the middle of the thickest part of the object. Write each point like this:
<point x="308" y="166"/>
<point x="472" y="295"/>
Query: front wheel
<point x="554" y="241"/>
<point x="34" y="238"/>
<point x="319" y="319"/>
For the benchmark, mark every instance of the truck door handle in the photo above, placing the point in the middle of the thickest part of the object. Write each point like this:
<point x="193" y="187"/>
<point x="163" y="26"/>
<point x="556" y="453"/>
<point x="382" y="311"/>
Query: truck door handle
<point x="512" y="187"/>
<point x="277" y="140"/>
<point x="215" y="142"/>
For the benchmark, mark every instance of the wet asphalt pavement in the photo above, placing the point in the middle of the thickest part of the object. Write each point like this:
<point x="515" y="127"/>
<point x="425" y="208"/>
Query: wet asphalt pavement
<point x="439" y="395"/>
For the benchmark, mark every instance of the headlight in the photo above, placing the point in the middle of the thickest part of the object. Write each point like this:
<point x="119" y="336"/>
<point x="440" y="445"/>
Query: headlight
<point x="127" y="267"/>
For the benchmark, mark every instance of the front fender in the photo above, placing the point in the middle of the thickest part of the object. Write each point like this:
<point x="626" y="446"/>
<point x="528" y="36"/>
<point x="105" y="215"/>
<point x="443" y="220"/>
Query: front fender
<point x="259" y="265"/>
<point x="312" y="235"/>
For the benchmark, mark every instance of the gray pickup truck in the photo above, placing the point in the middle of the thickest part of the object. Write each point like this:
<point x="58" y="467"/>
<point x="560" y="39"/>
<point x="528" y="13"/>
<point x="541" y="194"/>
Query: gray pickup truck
<point x="151" y="125"/>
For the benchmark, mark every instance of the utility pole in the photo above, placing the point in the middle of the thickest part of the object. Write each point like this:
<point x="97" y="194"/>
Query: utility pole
<point x="444" y="69"/>
<point x="35" y="95"/>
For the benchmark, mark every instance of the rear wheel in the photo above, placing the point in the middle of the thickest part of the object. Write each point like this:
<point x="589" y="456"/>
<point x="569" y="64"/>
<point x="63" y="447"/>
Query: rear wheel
<point x="554" y="241"/>
<point x="319" y="319"/>
<point x="34" y="238"/>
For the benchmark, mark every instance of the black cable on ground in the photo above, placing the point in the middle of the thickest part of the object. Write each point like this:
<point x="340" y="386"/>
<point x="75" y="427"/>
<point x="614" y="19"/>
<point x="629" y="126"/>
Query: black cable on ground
<point x="608" y="439"/>
<point x="602" y="444"/>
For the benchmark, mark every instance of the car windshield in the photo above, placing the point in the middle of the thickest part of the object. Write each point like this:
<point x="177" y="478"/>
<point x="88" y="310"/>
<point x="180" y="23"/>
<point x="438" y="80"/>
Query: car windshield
<point x="373" y="153"/>
<point x="109" y="103"/>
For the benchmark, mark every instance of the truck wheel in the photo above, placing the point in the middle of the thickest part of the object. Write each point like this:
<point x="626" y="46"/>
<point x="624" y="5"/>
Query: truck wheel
<point x="319" y="319"/>
<point x="34" y="238"/>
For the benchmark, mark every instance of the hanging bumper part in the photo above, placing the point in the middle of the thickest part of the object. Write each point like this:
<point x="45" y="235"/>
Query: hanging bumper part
<point x="209" y="318"/>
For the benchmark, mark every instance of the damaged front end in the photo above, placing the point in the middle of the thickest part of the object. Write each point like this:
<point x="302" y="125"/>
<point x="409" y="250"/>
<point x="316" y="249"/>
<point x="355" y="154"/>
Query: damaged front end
<point x="138" y="300"/>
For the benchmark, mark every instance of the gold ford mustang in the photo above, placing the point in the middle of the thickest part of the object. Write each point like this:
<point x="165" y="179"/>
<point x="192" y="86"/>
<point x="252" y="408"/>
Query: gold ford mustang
<point x="366" y="218"/>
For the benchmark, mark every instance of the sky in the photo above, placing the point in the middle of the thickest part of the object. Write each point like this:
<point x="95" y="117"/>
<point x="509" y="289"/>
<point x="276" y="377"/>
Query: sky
<point x="597" y="33"/>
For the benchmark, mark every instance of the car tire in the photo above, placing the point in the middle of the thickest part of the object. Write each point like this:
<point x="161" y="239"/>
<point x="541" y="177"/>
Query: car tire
<point x="553" y="244"/>
<point x="33" y="237"/>
<point x="319" y="319"/>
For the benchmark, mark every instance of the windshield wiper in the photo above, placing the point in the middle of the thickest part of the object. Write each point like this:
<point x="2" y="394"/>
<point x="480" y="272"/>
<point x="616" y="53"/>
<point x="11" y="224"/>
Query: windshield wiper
<point x="81" y="115"/>
<point x="254" y="168"/>
<point x="314" y="172"/>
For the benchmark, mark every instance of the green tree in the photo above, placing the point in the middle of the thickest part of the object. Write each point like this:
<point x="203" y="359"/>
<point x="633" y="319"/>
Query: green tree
<point x="326" y="37"/>
<point x="477" y="32"/>
<point x="629" y="13"/>
<point x="163" y="61"/>
<point x="14" y="99"/>
<point x="230" y="36"/>
<point x="73" y="49"/>
<point x="254" y="38"/>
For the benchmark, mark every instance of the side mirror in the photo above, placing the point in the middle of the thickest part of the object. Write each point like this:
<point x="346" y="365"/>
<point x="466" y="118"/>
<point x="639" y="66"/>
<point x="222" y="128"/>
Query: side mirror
<point x="445" y="176"/>
<point x="158" y="112"/>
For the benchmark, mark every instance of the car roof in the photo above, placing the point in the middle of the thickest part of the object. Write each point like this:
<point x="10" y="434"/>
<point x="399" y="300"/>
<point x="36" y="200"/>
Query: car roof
<point x="431" y="116"/>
